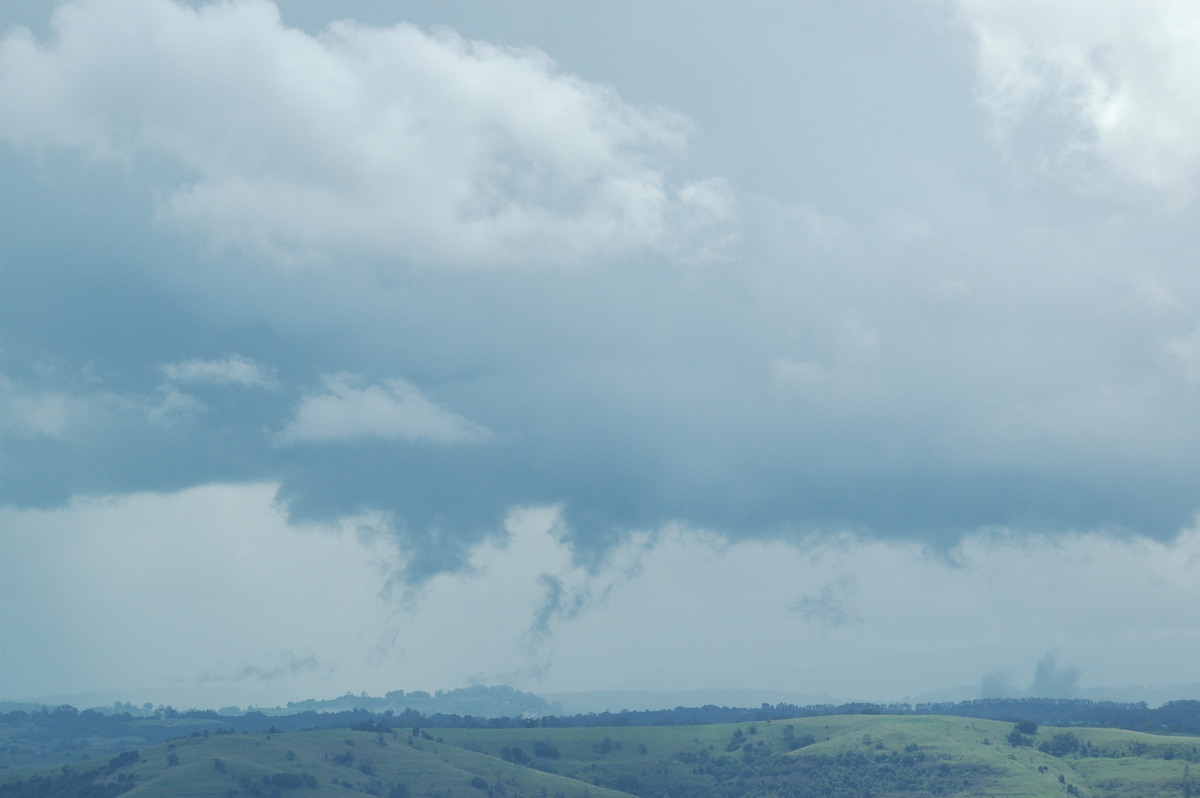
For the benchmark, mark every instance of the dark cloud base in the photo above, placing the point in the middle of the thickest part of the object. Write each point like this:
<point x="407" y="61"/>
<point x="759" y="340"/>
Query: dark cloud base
<point x="631" y="393"/>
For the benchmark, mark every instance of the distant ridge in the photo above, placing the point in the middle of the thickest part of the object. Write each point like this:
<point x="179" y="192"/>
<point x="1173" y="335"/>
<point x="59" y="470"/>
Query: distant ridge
<point x="649" y="700"/>
<point x="496" y="701"/>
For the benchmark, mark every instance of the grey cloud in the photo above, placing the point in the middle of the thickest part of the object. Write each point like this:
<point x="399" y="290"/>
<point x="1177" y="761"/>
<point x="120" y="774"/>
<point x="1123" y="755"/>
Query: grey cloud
<point x="760" y="271"/>
<point x="997" y="684"/>
<point x="290" y="665"/>
<point x="828" y="609"/>
<point x="907" y="340"/>
<point x="387" y="646"/>
<point x="1052" y="681"/>
<point x="559" y="603"/>
<point x="1049" y="680"/>
<point x="638" y="395"/>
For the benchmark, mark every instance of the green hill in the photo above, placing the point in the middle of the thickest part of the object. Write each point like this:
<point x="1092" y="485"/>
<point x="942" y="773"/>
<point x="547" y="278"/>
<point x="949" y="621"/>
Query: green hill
<point x="830" y="757"/>
<point x="853" y="755"/>
<point x="318" y="763"/>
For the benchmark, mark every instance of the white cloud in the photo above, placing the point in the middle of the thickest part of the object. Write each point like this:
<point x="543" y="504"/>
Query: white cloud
<point x="231" y="370"/>
<point x="387" y="140"/>
<point x="1115" y="79"/>
<point x="394" y="410"/>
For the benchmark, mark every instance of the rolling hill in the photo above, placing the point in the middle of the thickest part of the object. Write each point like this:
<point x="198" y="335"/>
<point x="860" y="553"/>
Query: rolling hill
<point x="831" y="756"/>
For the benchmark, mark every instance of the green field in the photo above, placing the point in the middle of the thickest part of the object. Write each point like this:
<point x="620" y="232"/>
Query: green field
<point x="833" y="756"/>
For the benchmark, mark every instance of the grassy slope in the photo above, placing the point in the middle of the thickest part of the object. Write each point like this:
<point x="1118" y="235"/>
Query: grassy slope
<point x="425" y="768"/>
<point x="658" y="760"/>
<point x="1133" y="765"/>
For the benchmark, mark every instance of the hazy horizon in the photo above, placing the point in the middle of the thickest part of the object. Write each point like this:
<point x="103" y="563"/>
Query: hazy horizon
<point x="596" y="701"/>
<point x="837" y="348"/>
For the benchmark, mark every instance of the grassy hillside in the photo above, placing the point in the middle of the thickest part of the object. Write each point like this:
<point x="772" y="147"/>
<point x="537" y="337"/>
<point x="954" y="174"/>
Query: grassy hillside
<point x="826" y="756"/>
<point x="308" y="764"/>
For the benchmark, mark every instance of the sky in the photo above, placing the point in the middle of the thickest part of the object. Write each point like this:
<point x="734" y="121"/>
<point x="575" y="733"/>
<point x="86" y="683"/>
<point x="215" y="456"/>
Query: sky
<point x="849" y="349"/>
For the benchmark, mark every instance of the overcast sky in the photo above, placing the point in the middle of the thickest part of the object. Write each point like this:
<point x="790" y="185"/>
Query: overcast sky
<point x="845" y="347"/>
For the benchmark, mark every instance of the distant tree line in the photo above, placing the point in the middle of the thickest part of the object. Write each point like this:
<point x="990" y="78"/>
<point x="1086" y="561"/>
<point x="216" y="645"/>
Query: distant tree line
<point x="64" y="731"/>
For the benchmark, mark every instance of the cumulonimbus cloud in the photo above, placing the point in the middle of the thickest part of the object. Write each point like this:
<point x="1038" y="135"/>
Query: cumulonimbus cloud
<point x="392" y="141"/>
<point x="348" y="410"/>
